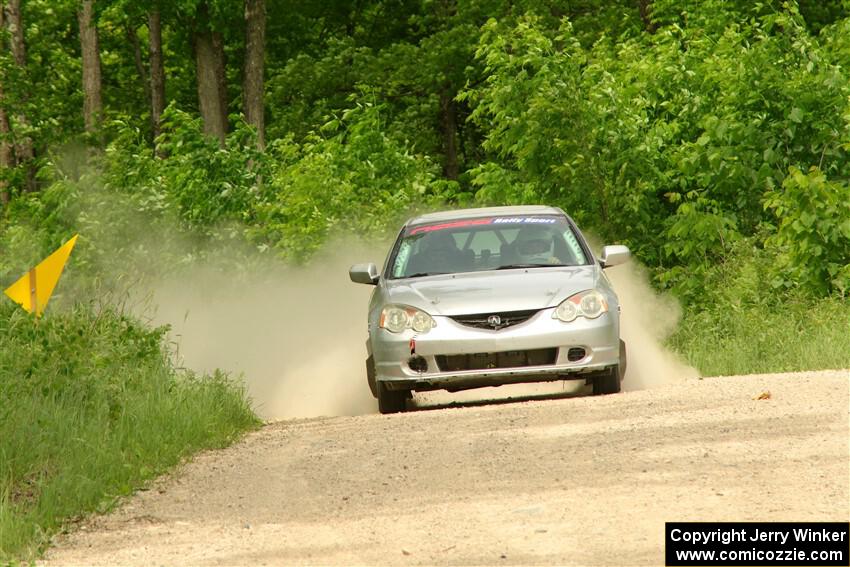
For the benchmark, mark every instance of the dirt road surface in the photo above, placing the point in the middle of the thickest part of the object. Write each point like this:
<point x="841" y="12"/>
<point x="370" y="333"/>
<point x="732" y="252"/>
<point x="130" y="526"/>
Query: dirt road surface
<point x="569" y="481"/>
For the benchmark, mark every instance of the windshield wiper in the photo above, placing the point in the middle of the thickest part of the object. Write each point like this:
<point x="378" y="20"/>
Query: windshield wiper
<point x="423" y="274"/>
<point x="516" y="266"/>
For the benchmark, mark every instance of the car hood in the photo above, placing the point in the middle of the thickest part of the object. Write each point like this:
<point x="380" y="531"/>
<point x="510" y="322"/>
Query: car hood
<point x="496" y="291"/>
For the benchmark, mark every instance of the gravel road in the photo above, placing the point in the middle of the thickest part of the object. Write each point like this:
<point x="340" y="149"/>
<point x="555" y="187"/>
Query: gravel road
<point x="567" y="481"/>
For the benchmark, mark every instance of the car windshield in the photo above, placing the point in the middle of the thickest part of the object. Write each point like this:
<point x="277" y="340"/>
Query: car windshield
<point x="488" y="243"/>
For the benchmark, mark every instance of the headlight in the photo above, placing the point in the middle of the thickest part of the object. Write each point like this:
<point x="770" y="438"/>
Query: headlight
<point x="590" y="304"/>
<point x="394" y="319"/>
<point x="397" y="318"/>
<point x="566" y="311"/>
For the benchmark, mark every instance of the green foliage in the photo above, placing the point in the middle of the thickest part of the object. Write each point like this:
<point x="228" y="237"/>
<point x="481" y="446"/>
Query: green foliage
<point x="350" y="176"/>
<point x="38" y="223"/>
<point x="797" y="333"/>
<point x="670" y="142"/>
<point x="202" y="183"/>
<point x="813" y="232"/>
<point x="356" y="180"/>
<point x="668" y="129"/>
<point x="90" y="408"/>
<point x="821" y="13"/>
<point x="672" y="130"/>
<point x="743" y="324"/>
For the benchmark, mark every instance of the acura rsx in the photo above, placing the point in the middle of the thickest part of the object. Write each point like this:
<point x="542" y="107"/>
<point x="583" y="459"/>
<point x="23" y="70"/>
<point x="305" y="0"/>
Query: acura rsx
<point x="491" y="296"/>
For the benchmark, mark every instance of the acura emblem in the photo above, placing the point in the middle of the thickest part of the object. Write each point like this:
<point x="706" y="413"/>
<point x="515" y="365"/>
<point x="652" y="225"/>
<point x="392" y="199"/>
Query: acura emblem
<point x="494" y="320"/>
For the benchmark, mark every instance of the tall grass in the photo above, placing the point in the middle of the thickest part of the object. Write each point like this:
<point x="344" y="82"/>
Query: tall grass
<point x="784" y="336"/>
<point x="91" y="407"/>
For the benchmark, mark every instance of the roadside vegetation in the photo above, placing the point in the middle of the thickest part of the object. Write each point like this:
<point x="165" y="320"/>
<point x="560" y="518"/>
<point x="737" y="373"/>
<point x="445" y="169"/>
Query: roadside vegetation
<point x="794" y="334"/>
<point x="91" y="407"/>
<point x="710" y="137"/>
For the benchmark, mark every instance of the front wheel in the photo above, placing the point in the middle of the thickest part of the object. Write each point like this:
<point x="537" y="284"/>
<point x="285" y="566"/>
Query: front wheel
<point x="607" y="382"/>
<point x="370" y="375"/>
<point x="390" y="401"/>
<point x="622" y="359"/>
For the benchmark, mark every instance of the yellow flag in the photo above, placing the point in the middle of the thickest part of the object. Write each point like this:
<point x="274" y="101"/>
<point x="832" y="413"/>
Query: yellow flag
<point x="33" y="290"/>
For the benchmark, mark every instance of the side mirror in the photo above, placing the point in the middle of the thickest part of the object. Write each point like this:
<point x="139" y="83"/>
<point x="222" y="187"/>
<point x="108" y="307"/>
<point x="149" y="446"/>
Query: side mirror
<point x="613" y="255"/>
<point x="364" y="273"/>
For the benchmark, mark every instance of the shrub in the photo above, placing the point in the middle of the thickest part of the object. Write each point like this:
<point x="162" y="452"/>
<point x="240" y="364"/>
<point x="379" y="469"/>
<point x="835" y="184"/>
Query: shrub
<point x="813" y="232"/>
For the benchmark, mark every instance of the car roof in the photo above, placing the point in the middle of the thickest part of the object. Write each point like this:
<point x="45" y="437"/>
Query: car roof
<point x="485" y="212"/>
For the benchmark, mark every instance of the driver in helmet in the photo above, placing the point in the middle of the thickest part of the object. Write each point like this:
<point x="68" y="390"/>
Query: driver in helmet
<point x="535" y="245"/>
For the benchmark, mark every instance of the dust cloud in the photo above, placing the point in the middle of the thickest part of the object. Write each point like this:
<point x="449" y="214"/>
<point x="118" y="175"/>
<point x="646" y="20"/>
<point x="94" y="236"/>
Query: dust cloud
<point x="647" y="319"/>
<point x="296" y="335"/>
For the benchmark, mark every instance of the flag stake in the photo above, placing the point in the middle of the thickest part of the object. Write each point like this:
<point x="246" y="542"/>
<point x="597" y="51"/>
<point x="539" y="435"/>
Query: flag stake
<point x="33" y="292"/>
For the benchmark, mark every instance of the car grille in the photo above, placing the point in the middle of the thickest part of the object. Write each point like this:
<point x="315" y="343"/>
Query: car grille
<point x="495" y="321"/>
<point x="484" y="360"/>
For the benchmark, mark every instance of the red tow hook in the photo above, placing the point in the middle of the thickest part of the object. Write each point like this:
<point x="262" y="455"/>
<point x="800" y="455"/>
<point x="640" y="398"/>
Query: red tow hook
<point x="412" y="346"/>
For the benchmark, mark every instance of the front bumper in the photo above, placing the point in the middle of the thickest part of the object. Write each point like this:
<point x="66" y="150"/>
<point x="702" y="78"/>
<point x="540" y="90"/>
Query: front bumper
<point x="392" y="352"/>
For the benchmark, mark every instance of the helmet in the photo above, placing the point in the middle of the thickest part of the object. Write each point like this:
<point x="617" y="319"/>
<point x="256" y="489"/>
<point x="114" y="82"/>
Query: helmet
<point x="534" y="244"/>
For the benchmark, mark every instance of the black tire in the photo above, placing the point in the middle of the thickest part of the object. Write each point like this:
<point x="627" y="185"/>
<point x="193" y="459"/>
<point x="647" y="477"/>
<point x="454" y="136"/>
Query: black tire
<point x="622" y="359"/>
<point x="390" y="401"/>
<point x="370" y="375"/>
<point x="607" y="382"/>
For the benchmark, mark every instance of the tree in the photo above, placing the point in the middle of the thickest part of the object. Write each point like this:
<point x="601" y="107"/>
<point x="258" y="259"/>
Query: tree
<point x="136" y="46"/>
<point x="448" y="128"/>
<point x="7" y="159"/>
<point x="210" y="66"/>
<point x="92" y="82"/>
<point x="255" y="46"/>
<point x="24" y="152"/>
<point x="157" y="88"/>
<point x="645" y="9"/>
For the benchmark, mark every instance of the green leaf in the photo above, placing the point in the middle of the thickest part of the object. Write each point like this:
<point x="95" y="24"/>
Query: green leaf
<point x="796" y="115"/>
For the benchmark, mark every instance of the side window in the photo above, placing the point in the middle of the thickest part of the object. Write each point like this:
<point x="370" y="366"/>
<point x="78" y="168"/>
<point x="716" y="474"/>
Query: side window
<point x="408" y="249"/>
<point x="402" y="258"/>
<point x="574" y="246"/>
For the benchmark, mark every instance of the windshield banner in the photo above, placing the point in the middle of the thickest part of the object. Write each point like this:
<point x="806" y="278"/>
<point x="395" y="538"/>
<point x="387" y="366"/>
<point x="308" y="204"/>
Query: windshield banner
<point x="490" y="220"/>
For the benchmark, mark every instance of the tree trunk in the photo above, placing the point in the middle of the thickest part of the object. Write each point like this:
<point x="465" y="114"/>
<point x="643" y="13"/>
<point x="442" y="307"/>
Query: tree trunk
<point x="7" y="160"/>
<point x="92" y="84"/>
<point x="220" y="74"/>
<point x="252" y="88"/>
<point x="448" y="128"/>
<point x="157" y="88"/>
<point x="24" y="153"/>
<point x="645" y="9"/>
<point x="209" y="100"/>
<point x="16" y="33"/>
<point x="133" y="38"/>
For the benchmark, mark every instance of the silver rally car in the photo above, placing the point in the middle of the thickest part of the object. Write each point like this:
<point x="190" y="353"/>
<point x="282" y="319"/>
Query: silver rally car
<point x="491" y="296"/>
